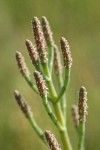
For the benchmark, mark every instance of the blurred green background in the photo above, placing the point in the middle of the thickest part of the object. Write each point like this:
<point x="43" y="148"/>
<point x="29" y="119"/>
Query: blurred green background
<point x="79" y="22"/>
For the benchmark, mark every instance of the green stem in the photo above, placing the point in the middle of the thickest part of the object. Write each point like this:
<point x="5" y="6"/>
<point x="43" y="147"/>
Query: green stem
<point x="46" y="70"/>
<point x="37" y="66"/>
<point x="57" y="106"/>
<point x="37" y="129"/>
<point x="49" y="82"/>
<point x="64" y="134"/>
<point x="63" y="99"/>
<point x="65" y="140"/>
<point x="81" y="135"/>
<point x="31" y="84"/>
<point x="52" y="90"/>
<point x="64" y="106"/>
<point x="51" y="57"/>
<point x="59" y="113"/>
<point x="51" y="114"/>
<point x="65" y="84"/>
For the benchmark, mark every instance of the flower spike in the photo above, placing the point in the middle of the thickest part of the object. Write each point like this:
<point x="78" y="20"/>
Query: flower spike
<point x="22" y="64"/>
<point x="82" y="106"/>
<point x="51" y="140"/>
<point x="41" y="85"/>
<point x="32" y="51"/>
<point x="40" y="40"/>
<point x="23" y="105"/>
<point x="75" y="115"/>
<point x="47" y="31"/>
<point x="66" y="53"/>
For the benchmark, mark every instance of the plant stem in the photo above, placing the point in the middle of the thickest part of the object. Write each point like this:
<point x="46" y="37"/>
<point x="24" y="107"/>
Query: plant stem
<point x="37" y="129"/>
<point x="57" y="107"/>
<point x="46" y="70"/>
<point x="65" y="140"/>
<point x="31" y="84"/>
<point x="37" y="66"/>
<point x="52" y="90"/>
<point x="59" y="113"/>
<point x="81" y="135"/>
<point x="51" y="114"/>
<point x="63" y="99"/>
<point x="64" y="134"/>
<point x="51" y="57"/>
<point x="65" y="84"/>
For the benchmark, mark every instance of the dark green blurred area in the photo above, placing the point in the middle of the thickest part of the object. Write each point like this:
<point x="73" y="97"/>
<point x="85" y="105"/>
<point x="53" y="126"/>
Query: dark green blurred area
<point x="79" y="22"/>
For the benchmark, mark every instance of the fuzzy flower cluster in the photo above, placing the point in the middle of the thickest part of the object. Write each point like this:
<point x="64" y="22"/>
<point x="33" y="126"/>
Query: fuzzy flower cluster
<point x="41" y="85"/>
<point x="52" y="142"/>
<point x="82" y="106"/>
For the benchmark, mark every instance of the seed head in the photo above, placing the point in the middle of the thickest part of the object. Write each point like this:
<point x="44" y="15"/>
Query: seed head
<point x="23" y="105"/>
<point x="47" y="31"/>
<point x="57" y="60"/>
<point x="66" y="53"/>
<point x="75" y="115"/>
<point x="51" y="140"/>
<point x="32" y="51"/>
<point x="40" y="40"/>
<point x="22" y="64"/>
<point x="41" y="85"/>
<point x="82" y="106"/>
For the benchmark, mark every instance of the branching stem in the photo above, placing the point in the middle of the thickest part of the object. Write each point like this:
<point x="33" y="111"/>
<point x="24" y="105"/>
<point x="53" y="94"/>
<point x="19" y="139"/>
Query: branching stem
<point x="51" y="114"/>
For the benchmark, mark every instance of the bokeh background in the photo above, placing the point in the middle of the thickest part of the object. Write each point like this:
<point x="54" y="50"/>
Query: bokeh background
<point x="79" y="22"/>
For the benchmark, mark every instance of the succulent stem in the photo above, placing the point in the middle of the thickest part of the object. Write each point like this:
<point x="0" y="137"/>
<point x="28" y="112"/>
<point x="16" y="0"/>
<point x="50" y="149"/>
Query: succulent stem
<point x="81" y="136"/>
<point x="51" y="57"/>
<point x="64" y="134"/>
<point x="37" y="129"/>
<point x="51" y="114"/>
<point x="58" y="72"/>
<point x="29" y="115"/>
<point x="65" y="140"/>
<point x="65" y="84"/>
<point x="31" y="84"/>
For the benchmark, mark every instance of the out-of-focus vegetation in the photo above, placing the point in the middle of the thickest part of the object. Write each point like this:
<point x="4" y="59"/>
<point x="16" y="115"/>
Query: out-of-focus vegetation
<point x="79" y="22"/>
